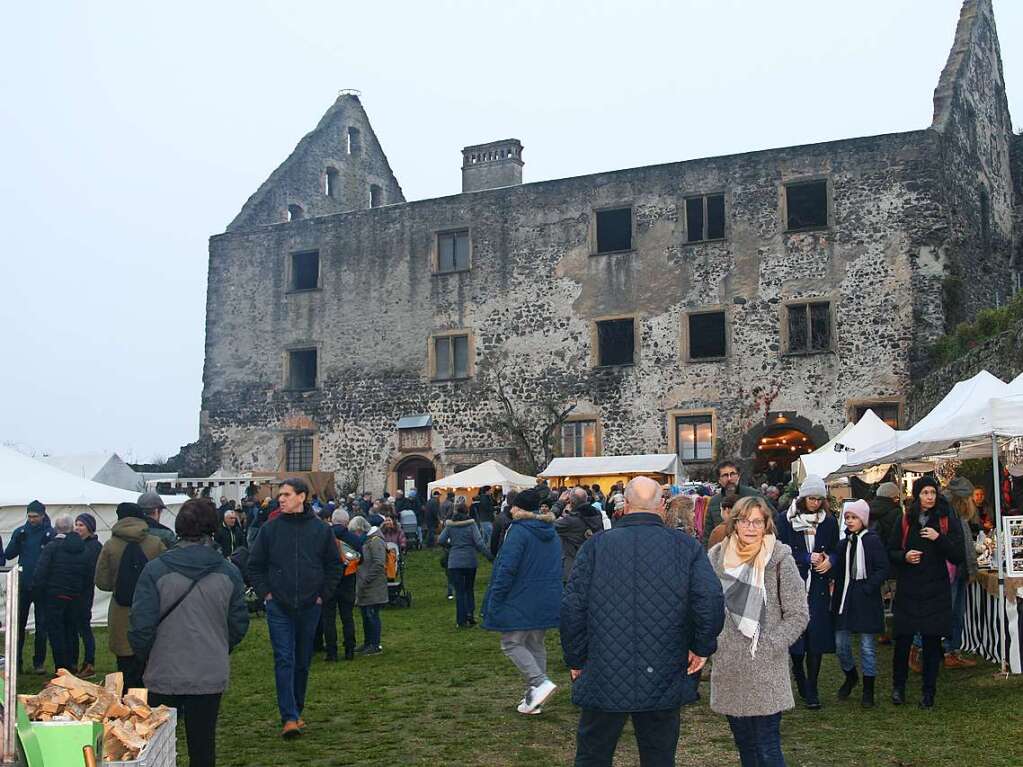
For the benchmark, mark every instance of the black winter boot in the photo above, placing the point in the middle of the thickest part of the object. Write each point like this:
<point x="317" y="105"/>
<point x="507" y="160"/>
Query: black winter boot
<point x="813" y="670"/>
<point x="851" y="680"/>
<point x="800" y="675"/>
<point x="898" y="695"/>
<point x="868" y="692"/>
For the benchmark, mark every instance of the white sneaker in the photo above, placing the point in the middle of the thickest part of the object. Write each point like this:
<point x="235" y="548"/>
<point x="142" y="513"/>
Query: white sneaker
<point x="524" y="709"/>
<point x="537" y="696"/>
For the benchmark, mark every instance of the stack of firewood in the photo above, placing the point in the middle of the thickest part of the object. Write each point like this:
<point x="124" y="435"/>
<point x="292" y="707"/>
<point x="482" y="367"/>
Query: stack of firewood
<point x="128" y="721"/>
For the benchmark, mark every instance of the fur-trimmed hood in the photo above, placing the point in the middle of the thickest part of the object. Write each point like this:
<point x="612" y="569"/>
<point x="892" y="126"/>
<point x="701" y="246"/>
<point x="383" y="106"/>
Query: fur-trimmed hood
<point x="519" y="514"/>
<point x="458" y="522"/>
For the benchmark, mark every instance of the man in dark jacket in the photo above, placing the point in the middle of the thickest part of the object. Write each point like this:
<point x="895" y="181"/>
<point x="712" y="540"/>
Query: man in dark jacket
<point x="85" y="526"/>
<point x="485" y="514"/>
<point x="577" y="523"/>
<point x="641" y="613"/>
<point x="885" y="511"/>
<point x="432" y="518"/>
<point x="343" y="600"/>
<point x="295" y="567"/>
<point x="729" y="482"/>
<point x="27" y="544"/>
<point x="61" y="576"/>
<point x="230" y="537"/>
<point x="152" y="504"/>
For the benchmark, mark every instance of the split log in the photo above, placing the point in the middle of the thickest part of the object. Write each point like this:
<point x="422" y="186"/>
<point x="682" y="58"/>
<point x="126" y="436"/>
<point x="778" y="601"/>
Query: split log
<point x="138" y="692"/>
<point x="114" y="683"/>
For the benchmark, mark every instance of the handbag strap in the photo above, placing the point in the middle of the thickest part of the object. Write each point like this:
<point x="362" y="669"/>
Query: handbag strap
<point x="178" y="601"/>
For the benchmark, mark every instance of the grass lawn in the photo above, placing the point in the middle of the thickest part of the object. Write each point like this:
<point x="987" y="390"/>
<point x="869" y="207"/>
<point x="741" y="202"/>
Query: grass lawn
<point x="444" y="696"/>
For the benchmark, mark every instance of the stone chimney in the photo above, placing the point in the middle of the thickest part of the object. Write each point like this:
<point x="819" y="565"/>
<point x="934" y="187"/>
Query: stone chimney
<point x="491" y="166"/>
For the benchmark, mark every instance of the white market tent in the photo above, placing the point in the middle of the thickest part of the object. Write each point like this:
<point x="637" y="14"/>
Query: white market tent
<point x="24" y="479"/>
<point x="831" y="456"/>
<point x="106" y="468"/>
<point x="489" y="473"/>
<point x="607" y="469"/>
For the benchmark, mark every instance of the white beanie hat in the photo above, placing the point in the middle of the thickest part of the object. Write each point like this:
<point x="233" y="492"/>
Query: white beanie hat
<point x="813" y="487"/>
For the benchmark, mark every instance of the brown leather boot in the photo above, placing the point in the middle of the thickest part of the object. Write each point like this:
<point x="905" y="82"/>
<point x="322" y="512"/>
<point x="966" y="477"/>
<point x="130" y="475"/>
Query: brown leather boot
<point x="914" y="660"/>
<point x="291" y="729"/>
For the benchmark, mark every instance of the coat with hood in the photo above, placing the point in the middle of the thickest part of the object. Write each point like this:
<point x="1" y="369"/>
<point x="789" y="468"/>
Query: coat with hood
<point x="27" y="544"/>
<point x="923" y="597"/>
<point x="525" y="586"/>
<point x="186" y="652"/>
<point x="167" y="536"/>
<point x="371" y="577"/>
<point x="465" y="540"/>
<point x="63" y="568"/>
<point x="884" y="515"/>
<point x="819" y="636"/>
<point x="574" y="527"/>
<point x="863" y="612"/>
<point x="124" y="531"/>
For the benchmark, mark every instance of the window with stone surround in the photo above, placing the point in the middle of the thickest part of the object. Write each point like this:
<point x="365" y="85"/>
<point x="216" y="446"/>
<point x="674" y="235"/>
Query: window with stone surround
<point x="451" y="356"/>
<point x="305" y="270"/>
<point x="354" y="141"/>
<point x="808" y="327"/>
<point x="330" y="182"/>
<point x="705" y="218"/>
<point x="302" y="369"/>
<point x="889" y="411"/>
<point x="694" y="437"/>
<point x="806" y="205"/>
<point x="295" y="212"/>
<point x="579" y="439"/>
<point x="616" y="341"/>
<point x="298" y="453"/>
<point x="614" y="230"/>
<point x="708" y="338"/>
<point x="452" y="251"/>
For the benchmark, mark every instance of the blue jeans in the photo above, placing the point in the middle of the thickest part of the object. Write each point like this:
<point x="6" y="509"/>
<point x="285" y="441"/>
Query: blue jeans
<point x="758" y="739"/>
<point x="291" y="636"/>
<point x="486" y="530"/>
<point x="464" y="581"/>
<point x="868" y="652"/>
<point x="371" y="627"/>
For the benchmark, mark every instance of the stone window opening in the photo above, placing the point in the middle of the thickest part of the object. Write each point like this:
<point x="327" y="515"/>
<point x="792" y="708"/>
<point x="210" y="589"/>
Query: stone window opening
<point x="302" y="369"/>
<point x="305" y="270"/>
<point x="806" y="205"/>
<point x="452" y="251"/>
<point x="451" y="357"/>
<point x="694" y="437"/>
<point x="295" y="212"/>
<point x="376" y="196"/>
<point x="707" y="336"/>
<point x="616" y="342"/>
<point x="354" y="141"/>
<point x="579" y="439"/>
<point x="889" y="411"/>
<point x="705" y="218"/>
<point x="298" y="453"/>
<point x="614" y="230"/>
<point x="809" y="327"/>
<point x="330" y="182"/>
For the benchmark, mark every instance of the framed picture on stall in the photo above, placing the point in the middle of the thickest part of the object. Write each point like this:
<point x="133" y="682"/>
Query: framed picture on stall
<point x="1012" y="528"/>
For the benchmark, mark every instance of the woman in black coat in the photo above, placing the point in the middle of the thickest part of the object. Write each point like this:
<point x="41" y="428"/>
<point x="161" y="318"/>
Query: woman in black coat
<point x="924" y="549"/>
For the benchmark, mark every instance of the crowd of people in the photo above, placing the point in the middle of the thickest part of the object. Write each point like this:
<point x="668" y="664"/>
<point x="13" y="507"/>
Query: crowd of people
<point x="766" y="581"/>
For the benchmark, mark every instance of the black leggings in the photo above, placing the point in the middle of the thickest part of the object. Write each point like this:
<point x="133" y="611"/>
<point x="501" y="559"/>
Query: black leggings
<point x="200" y="715"/>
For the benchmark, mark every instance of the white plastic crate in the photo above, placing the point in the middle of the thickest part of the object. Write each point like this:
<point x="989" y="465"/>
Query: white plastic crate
<point x="160" y="751"/>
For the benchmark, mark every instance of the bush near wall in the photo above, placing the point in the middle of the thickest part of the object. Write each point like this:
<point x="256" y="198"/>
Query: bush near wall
<point x="969" y="335"/>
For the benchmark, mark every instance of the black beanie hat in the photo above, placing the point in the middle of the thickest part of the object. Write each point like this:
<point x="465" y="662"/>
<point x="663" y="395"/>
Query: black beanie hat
<point x="88" y="520"/>
<point x="925" y="481"/>
<point x="126" y="510"/>
<point x="528" y="500"/>
<point x="36" y="508"/>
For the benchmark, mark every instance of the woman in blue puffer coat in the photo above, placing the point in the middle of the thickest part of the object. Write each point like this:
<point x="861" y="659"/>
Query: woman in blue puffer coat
<point x="524" y="596"/>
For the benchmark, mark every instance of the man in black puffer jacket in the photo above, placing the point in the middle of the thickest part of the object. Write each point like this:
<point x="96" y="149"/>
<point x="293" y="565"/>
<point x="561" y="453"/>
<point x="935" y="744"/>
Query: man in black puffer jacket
<point x="61" y="579"/>
<point x="885" y="511"/>
<point x="641" y="613"/>
<point x="574" y="526"/>
<point x="295" y="567"/>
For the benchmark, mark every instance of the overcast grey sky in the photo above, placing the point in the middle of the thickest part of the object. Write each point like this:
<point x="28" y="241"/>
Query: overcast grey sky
<point x="133" y="131"/>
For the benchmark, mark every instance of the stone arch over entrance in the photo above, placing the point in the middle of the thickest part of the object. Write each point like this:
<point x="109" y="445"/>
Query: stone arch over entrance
<point x="782" y="437"/>
<point x="416" y="471"/>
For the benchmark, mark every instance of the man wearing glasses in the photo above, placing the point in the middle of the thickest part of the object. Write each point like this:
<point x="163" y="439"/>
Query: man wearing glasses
<point x="728" y="479"/>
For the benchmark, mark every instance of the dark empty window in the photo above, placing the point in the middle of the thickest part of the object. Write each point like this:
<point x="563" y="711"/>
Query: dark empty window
<point x="886" y="411"/>
<point x="616" y="342"/>
<point x="451" y="354"/>
<point x="376" y="196"/>
<point x="453" y="251"/>
<point x="354" y="141"/>
<point x="806" y="205"/>
<point x="705" y="218"/>
<point x="330" y="187"/>
<point x="579" y="439"/>
<point x="295" y="212"/>
<point x="298" y="453"/>
<point x="707" y="336"/>
<point x="302" y="369"/>
<point x="809" y="327"/>
<point x="614" y="230"/>
<point x="694" y="437"/>
<point x="305" y="270"/>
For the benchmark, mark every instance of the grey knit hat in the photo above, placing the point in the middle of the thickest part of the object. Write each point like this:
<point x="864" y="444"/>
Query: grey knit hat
<point x="888" y="490"/>
<point x="960" y="487"/>
<point x="813" y="487"/>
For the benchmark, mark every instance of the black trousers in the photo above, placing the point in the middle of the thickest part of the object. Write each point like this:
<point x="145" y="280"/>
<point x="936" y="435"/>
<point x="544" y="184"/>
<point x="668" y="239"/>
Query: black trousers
<point x="61" y="625"/>
<point x="26" y="599"/>
<point x="931" y="662"/>
<point x="656" y="736"/>
<point x="331" y="608"/>
<point x="132" y="668"/>
<point x="200" y="715"/>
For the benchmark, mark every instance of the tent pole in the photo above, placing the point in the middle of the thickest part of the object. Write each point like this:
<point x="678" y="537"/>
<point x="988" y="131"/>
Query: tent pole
<point x="998" y="549"/>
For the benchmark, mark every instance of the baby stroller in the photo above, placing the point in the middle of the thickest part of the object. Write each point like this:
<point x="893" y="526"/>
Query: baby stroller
<point x="394" y="567"/>
<point x="410" y="526"/>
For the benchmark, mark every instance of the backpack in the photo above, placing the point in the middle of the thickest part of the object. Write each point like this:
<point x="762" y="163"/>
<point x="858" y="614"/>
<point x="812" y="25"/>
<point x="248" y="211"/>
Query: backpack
<point x="133" y="559"/>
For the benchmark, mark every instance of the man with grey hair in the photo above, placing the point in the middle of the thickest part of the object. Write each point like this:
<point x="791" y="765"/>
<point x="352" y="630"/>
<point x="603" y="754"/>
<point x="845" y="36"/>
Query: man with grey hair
<point x="640" y="615"/>
<point x="349" y="544"/>
<point x="577" y="522"/>
<point x="61" y="578"/>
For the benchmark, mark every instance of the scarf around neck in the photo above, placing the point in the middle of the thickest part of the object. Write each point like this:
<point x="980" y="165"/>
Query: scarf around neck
<point x="744" y="584"/>
<point x="855" y="563"/>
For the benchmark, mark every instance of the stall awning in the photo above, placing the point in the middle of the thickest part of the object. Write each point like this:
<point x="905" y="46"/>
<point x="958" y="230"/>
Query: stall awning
<point x="615" y="465"/>
<point x="487" y="473"/>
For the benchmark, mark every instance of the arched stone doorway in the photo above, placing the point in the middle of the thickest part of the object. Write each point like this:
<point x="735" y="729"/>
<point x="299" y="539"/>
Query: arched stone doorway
<point x="415" y="471"/>
<point x="773" y="445"/>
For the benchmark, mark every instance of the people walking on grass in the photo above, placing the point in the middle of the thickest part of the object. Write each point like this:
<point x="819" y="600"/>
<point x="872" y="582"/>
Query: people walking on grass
<point x="295" y="567"/>
<point x="26" y="545"/>
<point x="766" y="612"/>
<point x="730" y="484"/>
<point x="350" y="547"/>
<point x="861" y="567"/>
<point x="463" y="536"/>
<point x="188" y="614"/>
<point x="924" y="549"/>
<point x="60" y="579"/>
<point x="523" y="599"/>
<point x="85" y="526"/>
<point x="118" y="568"/>
<point x="370" y="584"/>
<point x="640" y="615"/>
<point x="811" y="532"/>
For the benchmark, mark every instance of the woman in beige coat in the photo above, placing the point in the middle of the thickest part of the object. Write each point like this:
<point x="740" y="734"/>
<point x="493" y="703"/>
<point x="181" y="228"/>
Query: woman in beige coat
<point x="766" y="611"/>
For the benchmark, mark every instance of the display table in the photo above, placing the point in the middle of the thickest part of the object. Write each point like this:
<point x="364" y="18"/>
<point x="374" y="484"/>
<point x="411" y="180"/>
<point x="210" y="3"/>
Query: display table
<point x="980" y="625"/>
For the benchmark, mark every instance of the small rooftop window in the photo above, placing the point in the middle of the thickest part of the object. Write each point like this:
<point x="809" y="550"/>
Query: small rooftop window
<point x="295" y="212"/>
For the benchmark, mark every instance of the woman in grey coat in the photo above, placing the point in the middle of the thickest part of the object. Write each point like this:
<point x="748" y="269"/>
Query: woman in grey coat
<point x="370" y="584"/>
<point x="766" y="611"/>
<point x="463" y="536"/>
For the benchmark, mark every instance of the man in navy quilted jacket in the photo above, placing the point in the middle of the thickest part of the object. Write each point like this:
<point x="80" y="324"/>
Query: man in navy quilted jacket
<point x="641" y="613"/>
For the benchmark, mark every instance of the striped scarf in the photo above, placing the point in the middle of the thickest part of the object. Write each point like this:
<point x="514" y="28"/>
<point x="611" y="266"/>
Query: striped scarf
<point x="743" y="581"/>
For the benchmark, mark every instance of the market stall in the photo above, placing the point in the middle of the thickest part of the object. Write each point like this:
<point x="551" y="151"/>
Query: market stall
<point x="606" y="470"/>
<point x="831" y="456"/>
<point x="488" y="473"/>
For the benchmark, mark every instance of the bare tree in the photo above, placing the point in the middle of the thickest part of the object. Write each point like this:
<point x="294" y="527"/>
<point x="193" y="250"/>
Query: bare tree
<point x="533" y="426"/>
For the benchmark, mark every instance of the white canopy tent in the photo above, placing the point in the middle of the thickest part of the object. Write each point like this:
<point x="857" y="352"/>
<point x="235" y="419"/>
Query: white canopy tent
<point x="24" y="479"/>
<point x="489" y="473"/>
<point x="664" y="464"/>
<point x="106" y="468"/>
<point x="831" y="456"/>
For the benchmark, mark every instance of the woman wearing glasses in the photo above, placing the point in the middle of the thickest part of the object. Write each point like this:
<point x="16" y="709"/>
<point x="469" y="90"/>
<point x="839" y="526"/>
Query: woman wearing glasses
<point x="812" y="534"/>
<point x="766" y="611"/>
